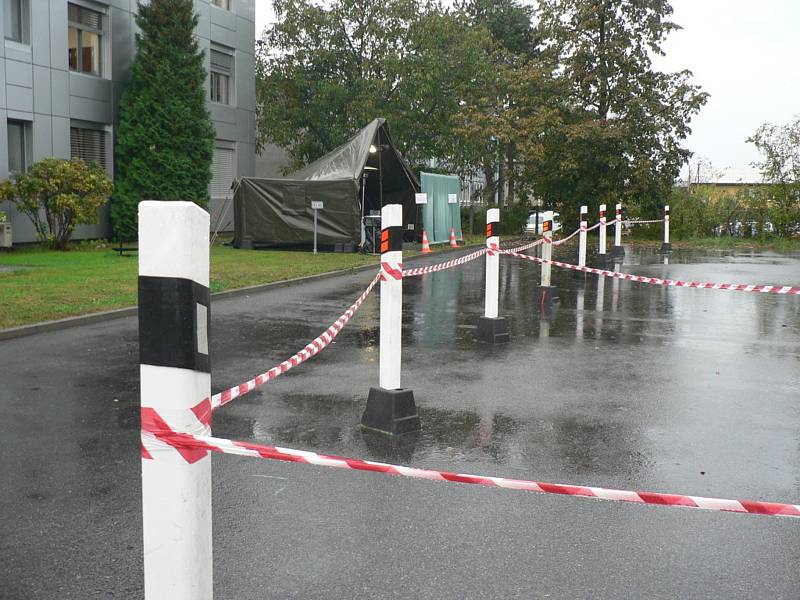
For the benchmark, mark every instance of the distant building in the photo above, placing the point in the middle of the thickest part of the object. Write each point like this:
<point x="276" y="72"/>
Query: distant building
<point x="64" y="66"/>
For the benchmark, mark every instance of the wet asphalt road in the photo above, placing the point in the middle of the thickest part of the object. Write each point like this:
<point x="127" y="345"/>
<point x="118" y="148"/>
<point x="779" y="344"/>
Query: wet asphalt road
<point x="627" y="385"/>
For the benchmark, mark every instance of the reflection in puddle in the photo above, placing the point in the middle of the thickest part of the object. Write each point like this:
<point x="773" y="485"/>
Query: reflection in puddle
<point x="482" y="405"/>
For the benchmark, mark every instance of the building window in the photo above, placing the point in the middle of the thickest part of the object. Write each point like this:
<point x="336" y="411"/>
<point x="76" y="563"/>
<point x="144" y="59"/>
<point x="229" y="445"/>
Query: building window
<point x="88" y="145"/>
<point x="15" y="17"/>
<point x="221" y="76"/>
<point x="226" y="4"/>
<point x="19" y="138"/>
<point x="223" y="169"/>
<point x="85" y="40"/>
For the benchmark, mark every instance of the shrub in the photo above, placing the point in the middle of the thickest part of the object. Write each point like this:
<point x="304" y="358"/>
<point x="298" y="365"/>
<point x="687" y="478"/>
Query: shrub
<point x="56" y="195"/>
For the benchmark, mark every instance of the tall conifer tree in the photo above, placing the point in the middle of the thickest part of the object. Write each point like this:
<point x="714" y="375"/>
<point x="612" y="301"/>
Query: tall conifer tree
<point x="165" y="139"/>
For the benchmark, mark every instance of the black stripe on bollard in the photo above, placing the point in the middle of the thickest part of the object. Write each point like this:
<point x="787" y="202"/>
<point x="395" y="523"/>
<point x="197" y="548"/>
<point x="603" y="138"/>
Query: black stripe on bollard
<point x="174" y="320"/>
<point x="392" y="239"/>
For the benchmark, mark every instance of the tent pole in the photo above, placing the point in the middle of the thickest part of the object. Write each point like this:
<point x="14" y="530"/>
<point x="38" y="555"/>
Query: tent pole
<point x="363" y="196"/>
<point x="380" y="170"/>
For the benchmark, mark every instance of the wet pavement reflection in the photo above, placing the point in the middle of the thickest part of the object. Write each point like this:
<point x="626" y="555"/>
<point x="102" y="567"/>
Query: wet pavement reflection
<point x="621" y="384"/>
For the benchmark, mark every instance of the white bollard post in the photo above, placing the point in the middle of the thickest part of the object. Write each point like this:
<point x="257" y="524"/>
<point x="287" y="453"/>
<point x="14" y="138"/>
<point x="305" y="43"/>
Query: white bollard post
<point x="391" y="409"/>
<point x="391" y="296"/>
<point x="175" y="388"/>
<point x="492" y="262"/>
<point x="618" y="251"/>
<point x="547" y="292"/>
<point x="665" y="247"/>
<point x="491" y="327"/>
<point x="602" y="249"/>
<point x="547" y="248"/>
<point x="582" y="239"/>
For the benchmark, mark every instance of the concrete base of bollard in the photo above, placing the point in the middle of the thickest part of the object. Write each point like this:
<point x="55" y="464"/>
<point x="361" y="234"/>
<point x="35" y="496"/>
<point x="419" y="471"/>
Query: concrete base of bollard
<point x="618" y="252"/>
<point x="392" y="412"/>
<point x="493" y="331"/>
<point x="547" y="295"/>
<point x="666" y="247"/>
<point x="609" y="256"/>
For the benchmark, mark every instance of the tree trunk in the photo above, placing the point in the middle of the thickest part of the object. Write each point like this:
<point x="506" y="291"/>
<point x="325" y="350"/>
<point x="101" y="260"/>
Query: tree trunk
<point x="472" y="214"/>
<point x="488" y="175"/>
<point x="603" y="92"/>
<point x="510" y="173"/>
<point x="501" y="183"/>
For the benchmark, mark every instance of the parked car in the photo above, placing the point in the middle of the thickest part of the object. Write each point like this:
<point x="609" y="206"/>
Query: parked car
<point x="533" y="226"/>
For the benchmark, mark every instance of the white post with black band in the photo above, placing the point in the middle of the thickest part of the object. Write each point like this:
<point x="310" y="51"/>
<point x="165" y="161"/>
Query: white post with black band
<point x="390" y="408"/>
<point x="175" y="390"/>
<point x="666" y="247"/>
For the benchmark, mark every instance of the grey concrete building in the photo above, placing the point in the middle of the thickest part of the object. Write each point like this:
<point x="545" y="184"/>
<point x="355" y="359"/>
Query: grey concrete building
<point x="63" y="68"/>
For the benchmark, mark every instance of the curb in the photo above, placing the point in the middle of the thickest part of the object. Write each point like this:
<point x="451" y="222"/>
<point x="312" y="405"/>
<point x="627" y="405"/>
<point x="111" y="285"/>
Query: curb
<point x="118" y="313"/>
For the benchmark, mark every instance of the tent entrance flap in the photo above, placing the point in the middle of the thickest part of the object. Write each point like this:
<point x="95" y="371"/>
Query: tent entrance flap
<point x="439" y="215"/>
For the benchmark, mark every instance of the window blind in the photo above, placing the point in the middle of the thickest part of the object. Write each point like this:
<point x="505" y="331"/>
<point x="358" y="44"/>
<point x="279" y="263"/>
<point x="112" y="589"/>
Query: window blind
<point x="221" y="62"/>
<point x="222" y="170"/>
<point x="89" y="145"/>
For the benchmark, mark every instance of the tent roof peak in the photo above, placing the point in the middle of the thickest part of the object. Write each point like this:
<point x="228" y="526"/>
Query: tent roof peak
<point x="348" y="160"/>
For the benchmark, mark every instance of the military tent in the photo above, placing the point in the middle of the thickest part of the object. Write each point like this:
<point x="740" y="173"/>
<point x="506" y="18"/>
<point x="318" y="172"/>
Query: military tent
<point x="353" y="182"/>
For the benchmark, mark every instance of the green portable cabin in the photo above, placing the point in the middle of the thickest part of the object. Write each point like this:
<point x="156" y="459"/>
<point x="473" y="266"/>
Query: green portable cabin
<point x="439" y="214"/>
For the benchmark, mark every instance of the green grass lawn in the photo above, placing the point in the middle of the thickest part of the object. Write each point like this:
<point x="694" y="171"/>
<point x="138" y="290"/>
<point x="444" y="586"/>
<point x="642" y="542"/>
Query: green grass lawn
<point x="42" y="285"/>
<point x="45" y="284"/>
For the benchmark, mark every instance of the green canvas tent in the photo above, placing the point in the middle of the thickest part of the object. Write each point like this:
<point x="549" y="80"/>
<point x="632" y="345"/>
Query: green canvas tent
<point x="353" y="182"/>
<point x="439" y="214"/>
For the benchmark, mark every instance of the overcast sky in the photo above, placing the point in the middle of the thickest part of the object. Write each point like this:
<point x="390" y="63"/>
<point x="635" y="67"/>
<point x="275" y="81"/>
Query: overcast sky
<point x="744" y="53"/>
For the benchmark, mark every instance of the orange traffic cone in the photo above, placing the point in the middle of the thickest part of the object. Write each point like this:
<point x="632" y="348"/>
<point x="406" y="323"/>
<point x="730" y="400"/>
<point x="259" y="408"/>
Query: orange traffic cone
<point x="453" y="242"/>
<point x="426" y="247"/>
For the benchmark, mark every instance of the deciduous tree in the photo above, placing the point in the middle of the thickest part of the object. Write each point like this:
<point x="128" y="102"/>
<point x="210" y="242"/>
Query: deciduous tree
<point x="324" y="72"/>
<point x="779" y="146"/>
<point x="624" y="137"/>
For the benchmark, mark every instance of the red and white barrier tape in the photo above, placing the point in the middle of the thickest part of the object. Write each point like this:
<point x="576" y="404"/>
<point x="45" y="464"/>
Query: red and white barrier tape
<point x="736" y="287"/>
<point x="311" y="349"/>
<point x="391" y="271"/>
<point x="444" y="265"/>
<point x="527" y="246"/>
<point x="595" y="226"/>
<point x="159" y="434"/>
<point x="544" y="240"/>
<point x="630" y="222"/>
<point x="566" y="239"/>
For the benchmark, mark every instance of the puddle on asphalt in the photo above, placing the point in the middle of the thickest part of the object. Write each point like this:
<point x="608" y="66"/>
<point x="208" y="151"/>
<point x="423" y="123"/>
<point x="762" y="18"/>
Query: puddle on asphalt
<point x="628" y="360"/>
